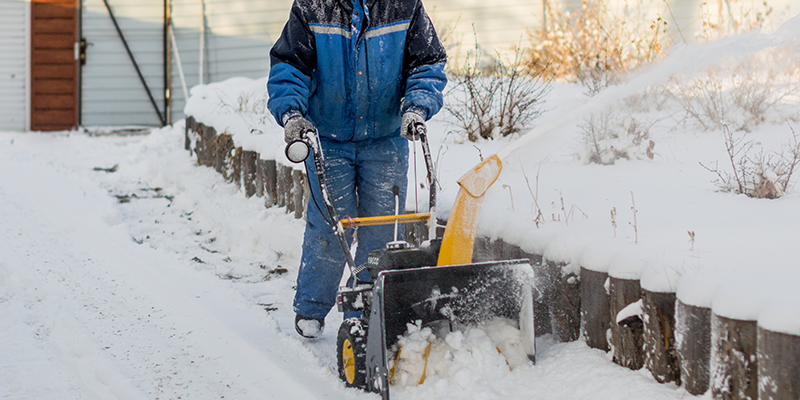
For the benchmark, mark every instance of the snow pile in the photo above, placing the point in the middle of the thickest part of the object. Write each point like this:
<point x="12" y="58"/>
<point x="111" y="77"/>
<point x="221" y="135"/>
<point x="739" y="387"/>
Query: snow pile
<point x="461" y="358"/>
<point x="238" y="106"/>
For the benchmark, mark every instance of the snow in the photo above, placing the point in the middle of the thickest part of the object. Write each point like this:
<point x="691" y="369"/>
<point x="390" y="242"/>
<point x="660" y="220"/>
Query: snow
<point x="178" y="291"/>
<point x="634" y="309"/>
<point x="160" y="280"/>
<point x="455" y="358"/>
<point x="311" y="328"/>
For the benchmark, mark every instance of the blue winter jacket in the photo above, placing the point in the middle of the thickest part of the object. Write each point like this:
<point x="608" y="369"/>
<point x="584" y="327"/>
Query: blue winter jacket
<point x="348" y="65"/>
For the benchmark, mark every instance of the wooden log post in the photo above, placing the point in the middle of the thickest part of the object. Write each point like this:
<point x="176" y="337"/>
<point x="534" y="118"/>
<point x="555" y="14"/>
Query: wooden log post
<point x="734" y="363"/>
<point x="223" y="148"/>
<point x="236" y="167"/>
<point x="595" y="318"/>
<point x="417" y="232"/>
<point x="778" y="365"/>
<point x="205" y="148"/>
<point x="289" y="188"/>
<point x="626" y="341"/>
<point x="281" y="186"/>
<point x="270" y="183"/>
<point x="542" y="287"/>
<point x="306" y="194"/>
<point x="693" y="344"/>
<point x="261" y="166"/>
<point x="189" y="131"/>
<point x="660" y="355"/>
<point x="564" y="300"/>
<point x="249" y="162"/>
<point x="480" y="249"/>
<point x="298" y="181"/>
<point x="510" y="251"/>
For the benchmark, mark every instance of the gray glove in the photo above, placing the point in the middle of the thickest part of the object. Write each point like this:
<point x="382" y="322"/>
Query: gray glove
<point x="411" y="118"/>
<point x="295" y="126"/>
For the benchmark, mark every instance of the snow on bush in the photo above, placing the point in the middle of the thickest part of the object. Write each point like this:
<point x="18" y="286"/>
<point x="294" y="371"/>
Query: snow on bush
<point x="742" y="93"/>
<point x="495" y="98"/>
<point x="607" y="137"/>
<point x="764" y="175"/>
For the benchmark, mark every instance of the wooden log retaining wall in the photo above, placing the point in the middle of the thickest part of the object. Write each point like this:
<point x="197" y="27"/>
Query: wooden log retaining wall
<point x="693" y="345"/>
<point x="677" y="342"/>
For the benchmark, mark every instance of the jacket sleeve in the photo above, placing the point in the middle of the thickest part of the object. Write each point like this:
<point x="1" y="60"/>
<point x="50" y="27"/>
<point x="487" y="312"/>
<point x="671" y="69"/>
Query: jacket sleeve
<point x="423" y="64"/>
<point x="293" y="60"/>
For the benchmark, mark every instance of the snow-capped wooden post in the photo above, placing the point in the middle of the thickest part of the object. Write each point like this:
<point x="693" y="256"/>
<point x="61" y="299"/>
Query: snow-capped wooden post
<point x="270" y="183"/>
<point x="734" y="365"/>
<point x="223" y="155"/>
<point x="286" y="171"/>
<point x="693" y="343"/>
<point x="298" y="181"/>
<point x="778" y="365"/>
<point x="564" y="300"/>
<point x="249" y="172"/>
<point x="510" y="251"/>
<point x="189" y="130"/>
<point x="660" y="356"/>
<point x="205" y="145"/>
<point x="541" y="304"/>
<point x="595" y="317"/>
<point x="624" y="289"/>
<point x="626" y="341"/>
<point x="236" y="167"/>
<point x="281" y="185"/>
<point x="480" y="249"/>
<point x="261" y="166"/>
<point x="417" y="232"/>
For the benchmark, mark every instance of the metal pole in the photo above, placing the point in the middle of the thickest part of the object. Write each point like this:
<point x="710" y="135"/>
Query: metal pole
<point x="167" y="66"/>
<point x="202" y="55"/>
<point x="178" y="62"/>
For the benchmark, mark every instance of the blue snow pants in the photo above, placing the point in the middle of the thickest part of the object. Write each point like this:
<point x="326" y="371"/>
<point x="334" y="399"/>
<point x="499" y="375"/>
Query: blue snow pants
<point x="360" y="176"/>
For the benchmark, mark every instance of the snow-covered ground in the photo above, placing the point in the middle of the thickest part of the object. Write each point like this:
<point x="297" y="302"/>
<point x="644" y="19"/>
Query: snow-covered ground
<point x="161" y="281"/>
<point x="128" y="272"/>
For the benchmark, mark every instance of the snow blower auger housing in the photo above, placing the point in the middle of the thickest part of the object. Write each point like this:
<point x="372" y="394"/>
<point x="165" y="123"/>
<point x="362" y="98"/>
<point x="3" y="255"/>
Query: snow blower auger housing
<point x="435" y="285"/>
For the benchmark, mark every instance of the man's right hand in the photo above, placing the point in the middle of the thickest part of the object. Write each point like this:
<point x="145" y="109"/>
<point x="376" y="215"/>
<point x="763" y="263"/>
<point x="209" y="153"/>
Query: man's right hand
<point x="295" y="127"/>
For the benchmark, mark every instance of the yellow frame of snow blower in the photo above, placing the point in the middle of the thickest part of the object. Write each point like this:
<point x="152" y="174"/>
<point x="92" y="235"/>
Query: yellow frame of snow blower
<point x="459" y="234"/>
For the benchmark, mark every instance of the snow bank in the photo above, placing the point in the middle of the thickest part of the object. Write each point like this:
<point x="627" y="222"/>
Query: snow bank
<point x="660" y="220"/>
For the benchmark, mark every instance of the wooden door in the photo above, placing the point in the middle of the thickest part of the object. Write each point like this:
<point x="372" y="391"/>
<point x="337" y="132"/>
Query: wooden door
<point x="54" y="69"/>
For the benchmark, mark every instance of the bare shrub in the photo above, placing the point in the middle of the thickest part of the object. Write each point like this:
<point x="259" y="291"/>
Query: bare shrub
<point x="607" y="137"/>
<point x="734" y="18"/>
<point x="591" y="45"/>
<point x="741" y="94"/>
<point x="763" y="175"/>
<point x="495" y="97"/>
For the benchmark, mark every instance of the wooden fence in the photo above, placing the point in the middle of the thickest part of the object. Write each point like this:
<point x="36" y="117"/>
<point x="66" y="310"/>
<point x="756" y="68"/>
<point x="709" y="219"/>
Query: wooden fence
<point x="680" y="343"/>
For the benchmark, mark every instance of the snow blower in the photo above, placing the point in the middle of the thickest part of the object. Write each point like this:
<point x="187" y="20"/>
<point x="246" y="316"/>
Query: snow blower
<point x="434" y="285"/>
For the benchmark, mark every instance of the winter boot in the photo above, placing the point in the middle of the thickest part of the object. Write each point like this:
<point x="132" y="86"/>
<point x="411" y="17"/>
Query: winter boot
<point x="309" y="327"/>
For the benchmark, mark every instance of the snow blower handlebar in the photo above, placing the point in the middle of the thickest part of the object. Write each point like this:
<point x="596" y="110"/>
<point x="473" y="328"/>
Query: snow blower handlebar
<point x="297" y="151"/>
<point x="429" y="217"/>
<point x="309" y="144"/>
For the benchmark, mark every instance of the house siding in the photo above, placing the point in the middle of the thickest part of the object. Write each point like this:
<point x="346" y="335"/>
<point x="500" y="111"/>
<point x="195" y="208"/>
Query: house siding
<point x="13" y="64"/>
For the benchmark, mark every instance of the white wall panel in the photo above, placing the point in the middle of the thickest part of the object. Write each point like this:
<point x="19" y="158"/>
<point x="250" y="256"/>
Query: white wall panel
<point x="13" y="67"/>
<point x="112" y="93"/>
<point x="239" y="34"/>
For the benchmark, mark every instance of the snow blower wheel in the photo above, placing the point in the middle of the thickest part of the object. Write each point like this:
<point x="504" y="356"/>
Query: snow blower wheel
<point x="351" y="347"/>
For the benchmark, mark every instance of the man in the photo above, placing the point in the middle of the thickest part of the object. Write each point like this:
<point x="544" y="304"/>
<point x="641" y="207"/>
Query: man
<point x="364" y="73"/>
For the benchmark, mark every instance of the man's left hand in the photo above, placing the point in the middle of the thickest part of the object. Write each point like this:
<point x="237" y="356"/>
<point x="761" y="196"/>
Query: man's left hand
<point x="411" y="120"/>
